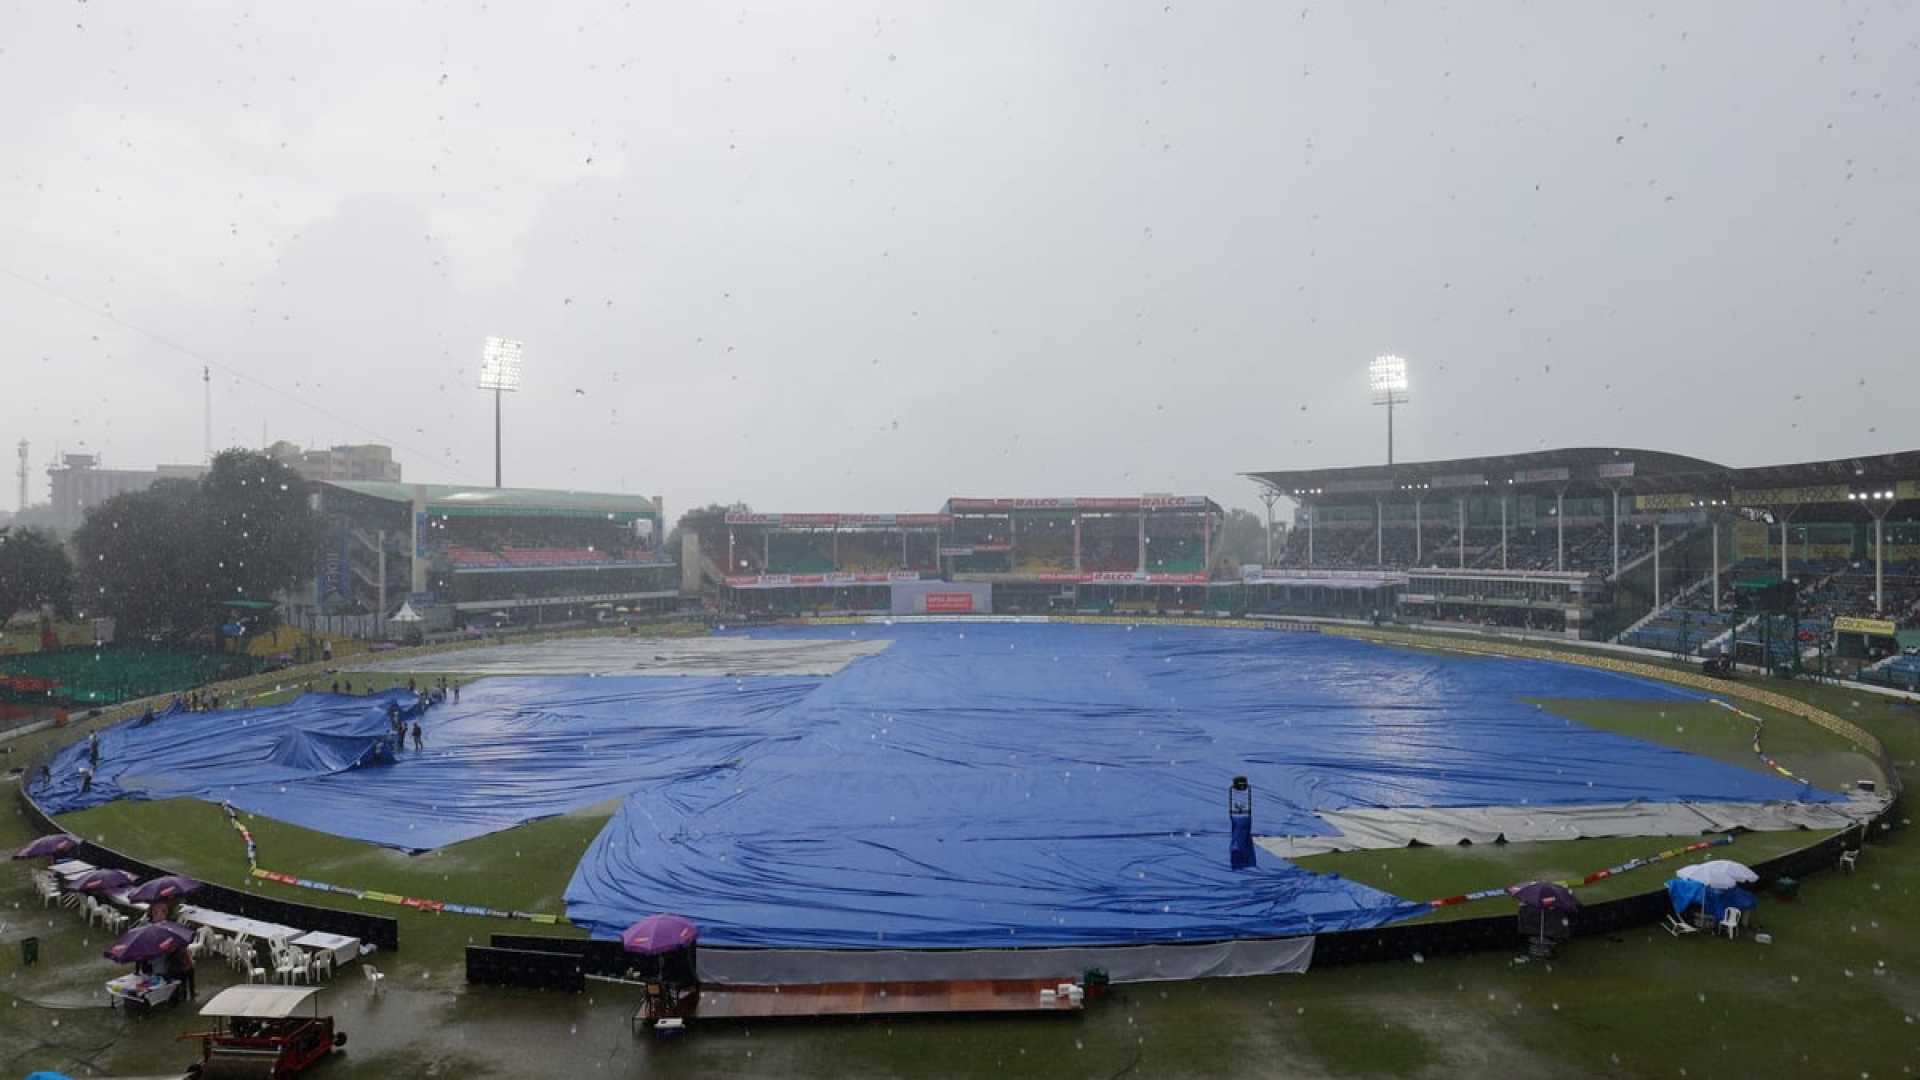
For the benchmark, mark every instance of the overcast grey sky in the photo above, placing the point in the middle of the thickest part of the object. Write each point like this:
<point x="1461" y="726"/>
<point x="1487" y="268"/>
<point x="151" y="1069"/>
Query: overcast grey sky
<point x="862" y="257"/>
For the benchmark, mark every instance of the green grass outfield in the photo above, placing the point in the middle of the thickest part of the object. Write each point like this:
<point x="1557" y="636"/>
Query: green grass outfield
<point x="1837" y="994"/>
<point x="523" y="869"/>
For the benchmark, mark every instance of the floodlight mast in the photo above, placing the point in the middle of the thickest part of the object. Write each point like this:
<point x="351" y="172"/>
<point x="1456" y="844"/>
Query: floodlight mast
<point x="500" y="373"/>
<point x="1388" y="377"/>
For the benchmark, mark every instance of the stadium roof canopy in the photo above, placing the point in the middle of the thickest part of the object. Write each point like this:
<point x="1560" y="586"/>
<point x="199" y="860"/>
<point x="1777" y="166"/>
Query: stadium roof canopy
<point x="454" y="500"/>
<point x="1598" y="470"/>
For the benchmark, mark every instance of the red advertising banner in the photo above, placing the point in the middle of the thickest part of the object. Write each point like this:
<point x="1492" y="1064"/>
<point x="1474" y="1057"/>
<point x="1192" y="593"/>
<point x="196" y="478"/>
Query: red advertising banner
<point x="795" y="581"/>
<point x="837" y="521"/>
<point x="949" y="603"/>
<point x="1069" y="577"/>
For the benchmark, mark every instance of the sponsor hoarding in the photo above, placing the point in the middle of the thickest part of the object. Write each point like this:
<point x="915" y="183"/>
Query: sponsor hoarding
<point x="842" y="521"/>
<point x="801" y="581"/>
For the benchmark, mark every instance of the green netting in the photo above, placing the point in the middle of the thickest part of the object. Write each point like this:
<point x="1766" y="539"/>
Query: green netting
<point x="116" y="673"/>
<point x="799" y="553"/>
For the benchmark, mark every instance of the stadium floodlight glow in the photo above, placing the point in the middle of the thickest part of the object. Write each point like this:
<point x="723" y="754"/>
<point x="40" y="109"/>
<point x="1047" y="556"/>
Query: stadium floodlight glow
<point x="500" y="364"/>
<point x="1387" y="377"/>
<point x="500" y="373"/>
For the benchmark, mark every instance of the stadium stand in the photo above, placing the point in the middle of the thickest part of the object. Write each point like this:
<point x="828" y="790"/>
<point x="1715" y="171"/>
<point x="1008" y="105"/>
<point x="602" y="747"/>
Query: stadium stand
<point x="460" y="555"/>
<point x="1688" y="626"/>
<point x="799" y="553"/>
<point x="1109" y="543"/>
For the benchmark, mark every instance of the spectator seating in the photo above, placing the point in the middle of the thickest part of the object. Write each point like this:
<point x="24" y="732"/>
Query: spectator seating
<point x="1680" y="630"/>
<point x="532" y="558"/>
<point x="1901" y="671"/>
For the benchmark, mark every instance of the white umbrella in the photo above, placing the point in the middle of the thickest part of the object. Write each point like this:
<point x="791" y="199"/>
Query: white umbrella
<point x="405" y="614"/>
<point x="1719" y="874"/>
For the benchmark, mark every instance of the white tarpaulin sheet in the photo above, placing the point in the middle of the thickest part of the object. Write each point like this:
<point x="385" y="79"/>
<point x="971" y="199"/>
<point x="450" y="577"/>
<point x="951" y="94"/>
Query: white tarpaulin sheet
<point x="727" y="656"/>
<point x="1364" y="829"/>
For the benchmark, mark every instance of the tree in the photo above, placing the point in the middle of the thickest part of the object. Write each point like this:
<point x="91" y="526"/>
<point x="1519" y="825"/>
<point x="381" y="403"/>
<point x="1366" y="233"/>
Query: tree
<point x="171" y="557"/>
<point x="1241" y="541"/>
<point x="257" y="526"/>
<point x="34" y="572"/>
<point x="709" y="523"/>
<point x="141" y="560"/>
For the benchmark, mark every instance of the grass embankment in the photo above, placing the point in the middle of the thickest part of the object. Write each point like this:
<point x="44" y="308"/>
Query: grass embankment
<point x="525" y="868"/>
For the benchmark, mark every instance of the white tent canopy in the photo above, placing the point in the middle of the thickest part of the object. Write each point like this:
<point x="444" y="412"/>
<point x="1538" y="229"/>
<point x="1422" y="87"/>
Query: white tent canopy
<point x="1719" y="873"/>
<point x="258" y="1002"/>
<point x="406" y="614"/>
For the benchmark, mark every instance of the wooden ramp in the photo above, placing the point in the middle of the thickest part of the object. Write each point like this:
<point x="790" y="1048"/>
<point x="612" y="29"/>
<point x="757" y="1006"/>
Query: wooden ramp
<point x="878" y="999"/>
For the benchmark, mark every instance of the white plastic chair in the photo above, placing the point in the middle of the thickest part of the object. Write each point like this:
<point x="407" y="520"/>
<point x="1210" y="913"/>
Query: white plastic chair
<point x="374" y="977"/>
<point x="1849" y="860"/>
<point x="321" y="966"/>
<point x="1678" y="926"/>
<point x="250" y="960"/>
<point x="290" y="967"/>
<point x="1730" y="923"/>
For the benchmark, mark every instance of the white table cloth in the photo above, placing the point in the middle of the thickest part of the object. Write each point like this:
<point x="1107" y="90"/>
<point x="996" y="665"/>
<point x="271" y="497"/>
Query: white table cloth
<point x="236" y="924"/>
<point x="344" y="949"/>
<point x="120" y="898"/>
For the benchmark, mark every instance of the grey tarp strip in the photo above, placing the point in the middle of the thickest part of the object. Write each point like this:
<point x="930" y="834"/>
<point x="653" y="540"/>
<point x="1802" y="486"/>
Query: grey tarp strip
<point x="1127" y="963"/>
<point x="1375" y="829"/>
<point x="730" y="656"/>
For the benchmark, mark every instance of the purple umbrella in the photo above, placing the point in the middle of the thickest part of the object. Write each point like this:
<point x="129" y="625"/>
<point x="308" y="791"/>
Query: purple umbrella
<point x="1545" y="894"/>
<point x="163" y="888"/>
<point x="149" y="941"/>
<point x="48" y="846"/>
<point x="95" y="881"/>
<point x="658" y="934"/>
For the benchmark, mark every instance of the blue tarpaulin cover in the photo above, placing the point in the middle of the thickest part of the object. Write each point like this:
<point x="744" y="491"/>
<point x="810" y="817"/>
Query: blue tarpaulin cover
<point x="984" y="785"/>
<point x="974" y="784"/>
<point x="1684" y="894"/>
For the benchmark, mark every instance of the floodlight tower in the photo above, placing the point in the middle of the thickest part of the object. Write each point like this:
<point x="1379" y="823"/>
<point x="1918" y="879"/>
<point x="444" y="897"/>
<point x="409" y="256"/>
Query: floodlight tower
<point x="1269" y="496"/>
<point x="500" y="373"/>
<point x="1388" y="377"/>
